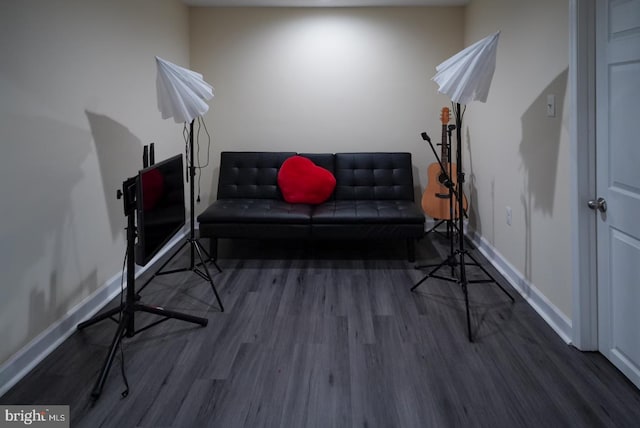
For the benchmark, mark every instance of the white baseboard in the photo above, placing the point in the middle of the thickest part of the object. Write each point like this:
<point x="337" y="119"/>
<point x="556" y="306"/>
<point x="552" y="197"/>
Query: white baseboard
<point x="23" y="361"/>
<point x="538" y="301"/>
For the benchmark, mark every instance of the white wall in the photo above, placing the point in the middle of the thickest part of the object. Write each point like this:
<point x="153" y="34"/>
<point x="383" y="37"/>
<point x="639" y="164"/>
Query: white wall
<point x="77" y="85"/>
<point x="324" y="80"/>
<point x="519" y="157"/>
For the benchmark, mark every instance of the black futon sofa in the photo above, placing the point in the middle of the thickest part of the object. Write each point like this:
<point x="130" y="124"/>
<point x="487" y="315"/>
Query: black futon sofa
<point x="373" y="199"/>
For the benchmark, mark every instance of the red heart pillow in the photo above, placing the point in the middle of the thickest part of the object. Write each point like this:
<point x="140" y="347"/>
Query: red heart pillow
<point x="303" y="182"/>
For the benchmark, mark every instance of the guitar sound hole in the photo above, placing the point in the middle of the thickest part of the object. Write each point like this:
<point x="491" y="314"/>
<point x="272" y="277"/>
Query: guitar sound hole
<point x="442" y="178"/>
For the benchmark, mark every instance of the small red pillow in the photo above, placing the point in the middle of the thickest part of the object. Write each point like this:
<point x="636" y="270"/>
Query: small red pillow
<point x="303" y="182"/>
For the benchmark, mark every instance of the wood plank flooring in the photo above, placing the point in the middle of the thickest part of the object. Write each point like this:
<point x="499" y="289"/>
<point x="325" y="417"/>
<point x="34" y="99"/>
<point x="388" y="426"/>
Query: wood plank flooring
<point x="331" y="336"/>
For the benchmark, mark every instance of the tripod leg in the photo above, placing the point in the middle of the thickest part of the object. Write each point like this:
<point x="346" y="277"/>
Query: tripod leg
<point x="430" y="274"/>
<point x="171" y="314"/>
<point x="100" y="317"/>
<point x="209" y="258"/>
<point x="97" y="389"/>
<point x="465" y="290"/>
<point x="196" y="245"/>
<point x="434" y="227"/>
<point x="451" y="238"/>
<point x="159" y="271"/>
<point x="492" y="278"/>
<point x="424" y="278"/>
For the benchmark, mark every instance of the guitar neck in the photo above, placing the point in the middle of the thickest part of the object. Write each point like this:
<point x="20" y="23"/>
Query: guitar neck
<point x="444" y="155"/>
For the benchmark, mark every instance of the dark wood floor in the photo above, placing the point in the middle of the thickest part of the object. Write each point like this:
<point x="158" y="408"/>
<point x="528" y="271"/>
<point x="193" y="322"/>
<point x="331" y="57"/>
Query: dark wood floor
<point x="333" y="338"/>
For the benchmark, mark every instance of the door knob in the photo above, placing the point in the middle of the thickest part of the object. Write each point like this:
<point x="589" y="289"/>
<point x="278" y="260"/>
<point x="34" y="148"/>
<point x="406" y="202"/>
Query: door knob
<point x="598" y="204"/>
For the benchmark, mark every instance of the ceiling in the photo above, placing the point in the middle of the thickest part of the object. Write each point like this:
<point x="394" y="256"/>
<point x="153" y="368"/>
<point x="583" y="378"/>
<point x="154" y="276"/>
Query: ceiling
<point x="322" y="3"/>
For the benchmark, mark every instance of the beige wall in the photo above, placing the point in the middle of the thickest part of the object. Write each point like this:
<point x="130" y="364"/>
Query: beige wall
<point x="324" y="80"/>
<point x="519" y="157"/>
<point x="78" y="101"/>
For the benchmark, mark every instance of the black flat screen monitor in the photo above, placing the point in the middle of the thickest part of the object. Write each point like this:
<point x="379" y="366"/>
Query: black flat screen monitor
<point x="160" y="206"/>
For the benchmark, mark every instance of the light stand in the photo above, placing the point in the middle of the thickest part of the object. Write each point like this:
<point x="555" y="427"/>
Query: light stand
<point x="194" y="244"/>
<point x="459" y="255"/>
<point x="445" y="180"/>
<point x="128" y="309"/>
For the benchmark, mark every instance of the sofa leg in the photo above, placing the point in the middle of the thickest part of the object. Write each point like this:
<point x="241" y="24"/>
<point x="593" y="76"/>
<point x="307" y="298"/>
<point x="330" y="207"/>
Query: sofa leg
<point x="411" y="250"/>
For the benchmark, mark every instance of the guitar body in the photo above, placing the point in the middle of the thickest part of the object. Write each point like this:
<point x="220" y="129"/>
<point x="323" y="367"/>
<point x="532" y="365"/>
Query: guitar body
<point x="435" y="199"/>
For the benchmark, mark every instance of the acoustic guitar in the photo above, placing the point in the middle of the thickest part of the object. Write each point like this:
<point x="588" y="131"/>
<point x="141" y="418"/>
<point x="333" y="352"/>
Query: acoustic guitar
<point x="436" y="196"/>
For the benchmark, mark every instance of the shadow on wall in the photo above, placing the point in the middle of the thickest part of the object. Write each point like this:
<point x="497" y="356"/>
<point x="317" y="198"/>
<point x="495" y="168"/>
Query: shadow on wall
<point x="119" y="157"/>
<point x="47" y="303"/>
<point x="474" y="222"/>
<point x="41" y="165"/>
<point x="539" y="153"/>
<point x="471" y="189"/>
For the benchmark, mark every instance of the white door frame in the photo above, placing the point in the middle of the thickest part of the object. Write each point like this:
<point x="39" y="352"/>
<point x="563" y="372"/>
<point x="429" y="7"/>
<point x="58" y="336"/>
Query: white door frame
<point x="582" y="83"/>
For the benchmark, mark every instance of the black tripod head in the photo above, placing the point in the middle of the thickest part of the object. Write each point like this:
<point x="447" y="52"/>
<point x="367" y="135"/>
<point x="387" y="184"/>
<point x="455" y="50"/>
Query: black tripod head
<point x="128" y="192"/>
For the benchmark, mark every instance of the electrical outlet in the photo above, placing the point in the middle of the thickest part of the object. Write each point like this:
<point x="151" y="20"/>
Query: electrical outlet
<point x="551" y="105"/>
<point x="509" y="216"/>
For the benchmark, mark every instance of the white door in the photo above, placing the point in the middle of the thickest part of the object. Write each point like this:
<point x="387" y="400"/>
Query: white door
<point x="618" y="182"/>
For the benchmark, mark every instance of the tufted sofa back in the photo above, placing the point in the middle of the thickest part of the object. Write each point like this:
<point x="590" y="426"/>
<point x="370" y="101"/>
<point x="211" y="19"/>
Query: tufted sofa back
<point x="373" y="176"/>
<point x="359" y="176"/>
<point x="250" y="175"/>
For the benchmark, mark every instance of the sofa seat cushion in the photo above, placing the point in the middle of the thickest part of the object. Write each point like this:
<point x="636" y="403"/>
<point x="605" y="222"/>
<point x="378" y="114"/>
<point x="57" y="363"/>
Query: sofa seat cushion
<point x="255" y="211"/>
<point x="367" y="211"/>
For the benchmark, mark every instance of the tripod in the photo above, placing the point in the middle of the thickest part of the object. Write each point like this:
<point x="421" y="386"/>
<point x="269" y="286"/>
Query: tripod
<point x="445" y="180"/>
<point x="193" y="242"/>
<point x="458" y="257"/>
<point x="128" y="309"/>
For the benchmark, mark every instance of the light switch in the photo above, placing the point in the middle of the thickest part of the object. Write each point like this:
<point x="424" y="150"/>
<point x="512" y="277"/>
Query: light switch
<point x="551" y="105"/>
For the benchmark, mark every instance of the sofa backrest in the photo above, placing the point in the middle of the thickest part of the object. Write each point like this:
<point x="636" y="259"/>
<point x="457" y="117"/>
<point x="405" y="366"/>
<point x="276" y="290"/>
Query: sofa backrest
<point x="324" y="160"/>
<point x="250" y="175"/>
<point x="359" y="176"/>
<point x="376" y="176"/>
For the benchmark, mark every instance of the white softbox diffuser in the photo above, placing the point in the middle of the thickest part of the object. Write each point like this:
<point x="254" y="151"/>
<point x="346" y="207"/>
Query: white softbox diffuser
<point x="467" y="75"/>
<point x="182" y="93"/>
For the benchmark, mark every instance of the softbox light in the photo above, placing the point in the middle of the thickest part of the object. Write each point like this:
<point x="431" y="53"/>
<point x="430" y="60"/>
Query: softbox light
<point x="182" y="93"/>
<point x="467" y="75"/>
